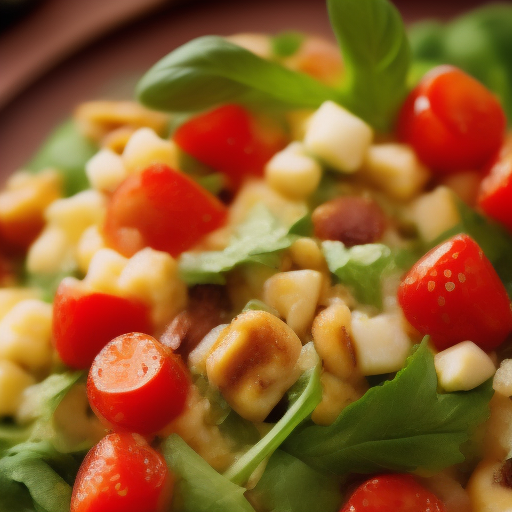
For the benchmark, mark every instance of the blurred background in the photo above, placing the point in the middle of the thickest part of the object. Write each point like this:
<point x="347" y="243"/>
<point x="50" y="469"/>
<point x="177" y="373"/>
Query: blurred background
<point x="56" y="53"/>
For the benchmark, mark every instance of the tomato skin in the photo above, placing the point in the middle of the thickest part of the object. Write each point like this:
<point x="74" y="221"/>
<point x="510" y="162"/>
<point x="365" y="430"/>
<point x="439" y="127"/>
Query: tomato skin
<point x="163" y="209"/>
<point x="454" y="294"/>
<point x="229" y="140"/>
<point x="83" y="323"/>
<point x="122" y="473"/>
<point x="452" y="121"/>
<point x="392" y="493"/>
<point x="495" y="193"/>
<point x="137" y="384"/>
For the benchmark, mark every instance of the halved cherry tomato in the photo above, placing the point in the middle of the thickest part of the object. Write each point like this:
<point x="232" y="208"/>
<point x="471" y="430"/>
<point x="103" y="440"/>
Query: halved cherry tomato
<point x="137" y="384"/>
<point x="454" y="294"/>
<point x="163" y="209"/>
<point x="452" y="121"/>
<point x="83" y="323"/>
<point x="230" y="140"/>
<point x="495" y="194"/>
<point x="122" y="473"/>
<point x="392" y="493"/>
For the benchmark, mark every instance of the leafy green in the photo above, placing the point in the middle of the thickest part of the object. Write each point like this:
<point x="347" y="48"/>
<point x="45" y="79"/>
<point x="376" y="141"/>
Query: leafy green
<point x="48" y="283"/>
<point x="287" y="43"/>
<point x="494" y="240"/>
<point x="36" y="475"/>
<point x="360" y="268"/>
<point x="290" y="485"/>
<point x="479" y="42"/>
<point x="66" y="150"/>
<point x="376" y="57"/>
<point x="403" y="425"/>
<point x="211" y="70"/>
<point x="199" y="487"/>
<point x="257" y="240"/>
<point x="259" y="305"/>
<point x="302" y="227"/>
<point x="304" y="397"/>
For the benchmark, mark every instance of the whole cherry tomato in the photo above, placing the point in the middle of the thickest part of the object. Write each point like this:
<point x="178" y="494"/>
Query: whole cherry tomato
<point x="452" y="121"/>
<point x="392" y="493"/>
<point x="137" y="384"/>
<point x="122" y="473"/>
<point x="454" y="294"/>
<point x="83" y="322"/>
<point x="231" y="141"/>
<point x="163" y="209"/>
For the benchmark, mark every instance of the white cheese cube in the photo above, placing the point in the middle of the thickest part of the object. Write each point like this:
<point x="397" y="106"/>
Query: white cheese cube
<point x="338" y="137"/>
<point x="396" y="170"/>
<point x="13" y="381"/>
<point x="295" y="295"/>
<point x="434" y="213"/>
<point x="463" y="366"/>
<point x="293" y="173"/>
<point x="25" y="334"/>
<point x="105" y="170"/>
<point x="380" y="343"/>
<point x="145" y="147"/>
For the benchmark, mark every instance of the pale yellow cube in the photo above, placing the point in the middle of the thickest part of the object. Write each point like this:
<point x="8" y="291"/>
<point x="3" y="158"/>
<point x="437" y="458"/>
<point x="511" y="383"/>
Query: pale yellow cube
<point x="104" y="270"/>
<point x="13" y="382"/>
<point x="105" y="170"/>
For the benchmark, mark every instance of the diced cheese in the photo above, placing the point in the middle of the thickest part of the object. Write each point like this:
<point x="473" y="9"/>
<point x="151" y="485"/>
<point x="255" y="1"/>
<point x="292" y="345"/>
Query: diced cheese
<point x="502" y="382"/>
<point x="396" y="170"/>
<point x="292" y="172"/>
<point x="145" y="147"/>
<point x="105" y="170"/>
<point x="338" y="137"/>
<point x="13" y="381"/>
<point x="463" y="367"/>
<point x="380" y="343"/>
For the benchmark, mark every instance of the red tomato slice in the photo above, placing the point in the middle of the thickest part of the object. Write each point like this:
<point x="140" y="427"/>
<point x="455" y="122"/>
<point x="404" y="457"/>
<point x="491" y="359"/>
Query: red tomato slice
<point x="83" y="323"/>
<point x="229" y="140"/>
<point x="137" y="384"/>
<point x="122" y="473"/>
<point x="163" y="209"/>
<point x="452" y="121"/>
<point x="454" y="294"/>
<point x="392" y="493"/>
<point x="495" y="194"/>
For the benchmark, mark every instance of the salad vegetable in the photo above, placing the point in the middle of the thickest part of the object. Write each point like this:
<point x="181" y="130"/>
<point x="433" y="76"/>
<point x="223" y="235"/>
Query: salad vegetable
<point x="285" y="272"/>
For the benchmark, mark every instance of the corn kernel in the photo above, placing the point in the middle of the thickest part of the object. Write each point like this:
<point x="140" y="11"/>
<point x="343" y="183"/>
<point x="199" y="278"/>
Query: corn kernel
<point x="51" y="252"/>
<point x="306" y="254"/>
<point x="89" y="244"/>
<point x="104" y="270"/>
<point x="486" y="494"/>
<point x="105" y="171"/>
<point x="13" y="381"/>
<point x="9" y="297"/>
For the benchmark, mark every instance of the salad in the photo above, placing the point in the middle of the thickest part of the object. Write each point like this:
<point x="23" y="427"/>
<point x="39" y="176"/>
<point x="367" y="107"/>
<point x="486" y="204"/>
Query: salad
<point x="280" y="281"/>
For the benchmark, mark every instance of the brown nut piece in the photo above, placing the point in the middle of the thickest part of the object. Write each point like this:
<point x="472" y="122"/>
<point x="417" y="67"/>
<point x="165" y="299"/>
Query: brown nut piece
<point x="253" y="363"/>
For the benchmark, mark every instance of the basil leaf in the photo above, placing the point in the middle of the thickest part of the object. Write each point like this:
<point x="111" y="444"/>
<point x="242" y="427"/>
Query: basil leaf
<point x="403" y="425"/>
<point x="199" y="487"/>
<point x="67" y="151"/>
<point x="257" y="240"/>
<point x="305" y="395"/>
<point x="211" y="70"/>
<point x="360" y="268"/>
<point x="290" y="485"/>
<point x="287" y="43"/>
<point x="376" y="56"/>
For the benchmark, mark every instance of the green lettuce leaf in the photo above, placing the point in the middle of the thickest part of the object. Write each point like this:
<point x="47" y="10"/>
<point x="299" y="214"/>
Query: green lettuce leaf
<point x="402" y="425"/>
<point x="258" y="240"/>
<point x="287" y="43"/>
<point x="305" y="395"/>
<point x="67" y="151"/>
<point x="376" y="56"/>
<point x="360" y="268"/>
<point x="199" y="487"/>
<point x="211" y="70"/>
<point x="289" y="485"/>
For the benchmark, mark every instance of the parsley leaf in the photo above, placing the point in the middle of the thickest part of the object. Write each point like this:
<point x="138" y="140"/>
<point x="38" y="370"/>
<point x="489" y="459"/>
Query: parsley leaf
<point x="199" y="487"/>
<point x="402" y="425"/>
<point x="257" y="240"/>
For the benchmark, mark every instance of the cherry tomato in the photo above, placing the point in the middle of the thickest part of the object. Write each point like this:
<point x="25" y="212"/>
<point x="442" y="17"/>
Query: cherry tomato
<point x="122" y="473"/>
<point x="392" y="493"/>
<point x="495" y="194"/>
<point x="137" y="384"/>
<point x="454" y="294"/>
<point x="163" y="209"/>
<point x="83" y="323"/>
<point x="452" y="121"/>
<point x="229" y="140"/>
